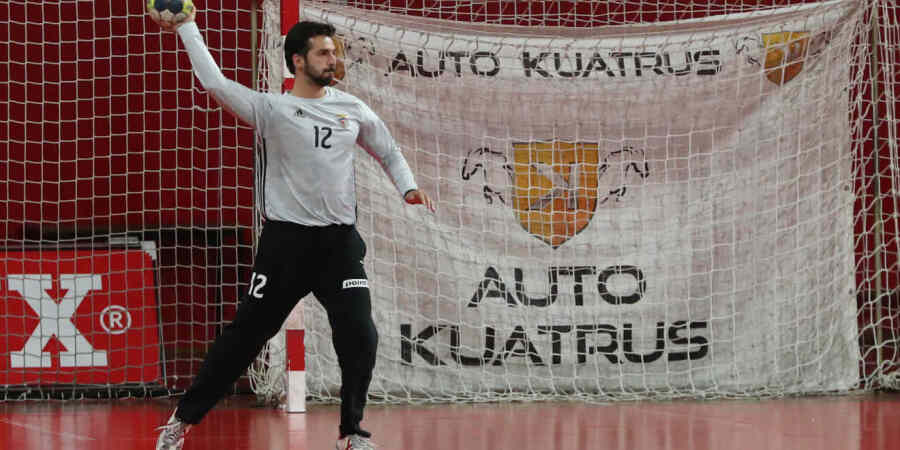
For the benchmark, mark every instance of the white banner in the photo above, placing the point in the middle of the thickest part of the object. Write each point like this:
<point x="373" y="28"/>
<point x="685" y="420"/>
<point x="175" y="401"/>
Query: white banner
<point x="661" y="207"/>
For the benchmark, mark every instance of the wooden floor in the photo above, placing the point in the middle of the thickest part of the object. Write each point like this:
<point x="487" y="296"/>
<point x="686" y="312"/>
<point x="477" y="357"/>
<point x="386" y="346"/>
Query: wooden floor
<point x="840" y="423"/>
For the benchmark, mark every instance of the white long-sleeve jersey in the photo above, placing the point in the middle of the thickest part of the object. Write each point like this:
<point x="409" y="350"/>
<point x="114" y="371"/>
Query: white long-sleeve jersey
<point x="306" y="147"/>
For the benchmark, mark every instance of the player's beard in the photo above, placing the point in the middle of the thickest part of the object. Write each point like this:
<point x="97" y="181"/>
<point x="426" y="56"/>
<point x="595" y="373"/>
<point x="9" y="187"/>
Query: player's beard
<point x="323" y="79"/>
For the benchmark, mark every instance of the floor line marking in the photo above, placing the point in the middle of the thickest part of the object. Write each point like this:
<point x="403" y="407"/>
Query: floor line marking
<point x="41" y="430"/>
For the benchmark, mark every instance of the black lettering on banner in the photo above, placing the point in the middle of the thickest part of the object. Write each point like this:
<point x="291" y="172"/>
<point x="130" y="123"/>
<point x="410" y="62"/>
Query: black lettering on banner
<point x="552" y="279"/>
<point x="557" y="59"/>
<point x="488" y="64"/>
<point x="457" y="60"/>
<point x="715" y="64"/>
<point x="420" y="66"/>
<point x="408" y="344"/>
<point x="492" y="286"/>
<point x="700" y="341"/>
<point x="639" y="65"/>
<point x="631" y="271"/>
<point x="686" y="69"/>
<point x="628" y="344"/>
<point x="485" y="358"/>
<point x="473" y="63"/>
<point x="609" y="350"/>
<point x="618" y="344"/>
<point x="519" y="338"/>
<point x="620" y="59"/>
<point x="578" y="272"/>
<point x="555" y="332"/>
<point x="597" y="63"/>
<point x="590" y="339"/>
<point x="529" y="64"/>
<point x="401" y="63"/>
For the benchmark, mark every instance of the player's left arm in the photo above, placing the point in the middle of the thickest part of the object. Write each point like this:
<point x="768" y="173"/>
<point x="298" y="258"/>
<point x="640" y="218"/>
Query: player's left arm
<point x="375" y="137"/>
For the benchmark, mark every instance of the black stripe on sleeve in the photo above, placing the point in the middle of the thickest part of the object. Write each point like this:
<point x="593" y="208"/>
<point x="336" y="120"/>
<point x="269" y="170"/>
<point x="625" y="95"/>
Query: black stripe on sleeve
<point x="261" y="163"/>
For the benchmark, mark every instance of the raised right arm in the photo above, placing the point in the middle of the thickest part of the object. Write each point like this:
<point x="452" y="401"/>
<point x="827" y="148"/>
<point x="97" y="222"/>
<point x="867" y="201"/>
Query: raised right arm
<point x="242" y="101"/>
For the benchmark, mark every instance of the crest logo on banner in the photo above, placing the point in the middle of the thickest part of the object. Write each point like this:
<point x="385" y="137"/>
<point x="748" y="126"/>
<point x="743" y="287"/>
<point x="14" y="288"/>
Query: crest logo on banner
<point x="786" y="53"/>
<point x="555" y="188"/>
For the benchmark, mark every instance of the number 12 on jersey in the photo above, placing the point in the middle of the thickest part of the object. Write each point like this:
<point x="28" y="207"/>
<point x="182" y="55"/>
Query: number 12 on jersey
<point x="324" y="133"/>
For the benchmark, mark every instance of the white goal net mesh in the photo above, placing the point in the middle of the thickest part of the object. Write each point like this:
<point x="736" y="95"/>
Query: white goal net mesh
<point x="126" y="198"/>
<point x="639" y="199"/>
<point x="655" y="199"/>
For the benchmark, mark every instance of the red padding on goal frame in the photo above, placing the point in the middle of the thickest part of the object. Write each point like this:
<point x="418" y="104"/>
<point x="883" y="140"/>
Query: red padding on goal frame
<point x="287" y="85"/>
<point x="296" y="350"/>
<point x="290" y="14"/>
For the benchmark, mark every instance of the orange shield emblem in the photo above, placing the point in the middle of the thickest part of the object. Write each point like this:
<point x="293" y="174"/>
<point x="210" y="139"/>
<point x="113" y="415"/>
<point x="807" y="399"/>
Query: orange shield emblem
<point x="555" y="192"/>
<point x="785" y="55"/>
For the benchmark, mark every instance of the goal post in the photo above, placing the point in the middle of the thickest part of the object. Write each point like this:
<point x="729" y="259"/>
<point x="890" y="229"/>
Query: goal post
<point x="661" y="200"/>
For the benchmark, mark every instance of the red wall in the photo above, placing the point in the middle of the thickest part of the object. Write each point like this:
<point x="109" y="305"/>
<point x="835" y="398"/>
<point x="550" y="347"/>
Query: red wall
<point x="100" y="127"/>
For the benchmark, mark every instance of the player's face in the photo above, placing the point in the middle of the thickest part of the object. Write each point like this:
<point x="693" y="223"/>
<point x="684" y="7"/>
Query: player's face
<point x="321" y="60"/>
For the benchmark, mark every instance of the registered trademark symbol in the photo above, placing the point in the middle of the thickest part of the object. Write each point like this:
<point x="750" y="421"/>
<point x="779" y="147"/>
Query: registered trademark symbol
<point x="115" y="319"/>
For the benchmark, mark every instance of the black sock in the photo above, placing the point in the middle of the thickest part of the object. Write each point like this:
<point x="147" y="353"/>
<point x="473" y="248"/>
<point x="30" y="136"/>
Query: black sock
<point x="358" y="431"/>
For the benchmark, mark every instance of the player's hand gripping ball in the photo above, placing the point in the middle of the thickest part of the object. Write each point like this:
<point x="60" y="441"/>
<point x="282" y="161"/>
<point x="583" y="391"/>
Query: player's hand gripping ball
<point x="171" y="13"/>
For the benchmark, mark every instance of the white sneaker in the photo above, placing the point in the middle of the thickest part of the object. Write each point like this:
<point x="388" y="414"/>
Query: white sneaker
<point x="171" y="435"/>
<point x="354" y="442"/>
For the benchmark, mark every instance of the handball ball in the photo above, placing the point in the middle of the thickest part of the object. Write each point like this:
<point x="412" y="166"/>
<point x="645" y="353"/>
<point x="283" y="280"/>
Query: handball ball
<point x="170" y="13"/>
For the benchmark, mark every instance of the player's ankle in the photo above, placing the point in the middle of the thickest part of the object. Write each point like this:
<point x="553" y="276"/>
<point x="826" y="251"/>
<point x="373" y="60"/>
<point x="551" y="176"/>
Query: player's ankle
<point x="357" y="431"/>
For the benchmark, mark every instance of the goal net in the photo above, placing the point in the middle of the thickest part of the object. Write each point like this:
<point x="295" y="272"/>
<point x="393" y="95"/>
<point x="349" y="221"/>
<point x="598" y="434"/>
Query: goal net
<point x="651" y="199"/>
<point x="641" y="199"/>
<point x="126" y="198"/>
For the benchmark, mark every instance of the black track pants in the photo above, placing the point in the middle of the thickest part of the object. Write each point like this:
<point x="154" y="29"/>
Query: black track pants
<point x="293" y="260"/>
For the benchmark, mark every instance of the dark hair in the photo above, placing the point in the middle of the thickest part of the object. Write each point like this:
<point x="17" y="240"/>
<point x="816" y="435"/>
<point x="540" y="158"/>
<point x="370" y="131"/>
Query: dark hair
<point x="297" y="39"/>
